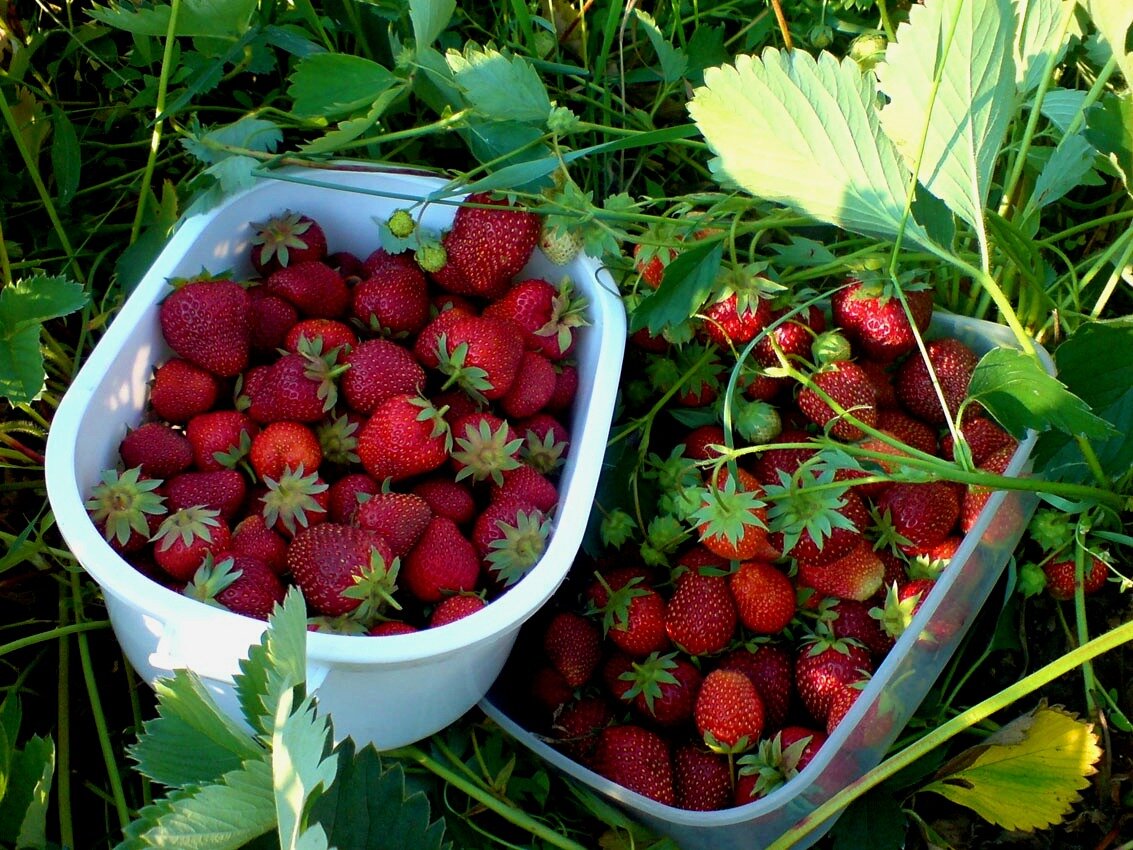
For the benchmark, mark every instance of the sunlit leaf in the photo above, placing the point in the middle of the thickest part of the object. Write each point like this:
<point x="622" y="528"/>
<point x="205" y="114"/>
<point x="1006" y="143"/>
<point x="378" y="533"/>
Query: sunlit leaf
<point x="300" y="770"/>
<point x="1109" y="128"/>
<point x="1038" y="36"/>
<point x="24" y="307"/>
<point x="805" y="133"/>
<point x="1028" y="774"/>
<point x="358" y="82"/>
<point x="499" y="86"/>
<point x="673" y="61"/>
<point x="214" y="18"/>
<point x="276" y="664"/>
<point x="1113" y="18"/>
<point x="429" y="18"/>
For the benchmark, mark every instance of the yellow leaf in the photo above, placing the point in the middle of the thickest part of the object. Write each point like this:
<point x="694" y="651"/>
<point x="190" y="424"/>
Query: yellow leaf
<point x="1028" y="774"/>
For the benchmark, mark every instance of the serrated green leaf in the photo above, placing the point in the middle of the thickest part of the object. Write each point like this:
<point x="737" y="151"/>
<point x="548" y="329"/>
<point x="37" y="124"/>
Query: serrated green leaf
<point x="368" y="806"/>
<point x="805" y="133"/>
<point x="23" y="811"/>
<point x="1027" y="775"/>
<point x="1113" y="18"/>
<point x="217" y="145"/>
<point x="276" y="664"/>
<point x="347" y="131"/>
<point x="688" y="280"/>
<point x="499" y="86"/>
<point x="66" y="162"/>
<point x="673" y="61"/>
<point x="503" y="143"/>
<point x="212" y="18"/>
<point x="963" y="121"/>
<point x="1109" y="128"/>
<point x="222" y="816"/>
<point x="191" y="741"/>
<point x="804" y="252"/>
<point x="300" y="769"/>
<point x="28" y="303"/>
<point x="1038" y="34"/>
<point x="1096" y="363"/>
<point x="429" y="19"/>
<point x="1020" y="395"/>
<point x="21" y="366"/>
<point x="1060" y="106"/>
<point x="1069" y="163"/>
<point x="358" y="82"/>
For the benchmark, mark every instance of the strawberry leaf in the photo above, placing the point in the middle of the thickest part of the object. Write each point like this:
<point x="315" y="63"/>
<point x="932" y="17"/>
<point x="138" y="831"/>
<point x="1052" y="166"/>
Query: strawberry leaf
<point x="224" y="19"/>
<point x="429" y="19"/>
<point x="24" y="307"/>
<point x="300" y="771"/>
<point x="500" y="87"/>
<point x="357" y="84"/>
<point x="688" y="280"/>
<point x="276" y="664"/>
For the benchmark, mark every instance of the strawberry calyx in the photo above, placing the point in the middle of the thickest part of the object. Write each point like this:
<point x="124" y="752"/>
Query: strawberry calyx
<point x="235" y="455"/>
<point x="342" y="624"/>
<point x="772" y="763"/>
<point x="728" y="512"/>
<point x="615" y="612"/>
<point x="886" y="534"/>
<point x="617" y="528"/>
<point x="522" y="544"/>
<point x="542" y="453"/>
<point x="187" y="526"/>
<point x="472" y="379"/>
<point x="374" y="587"/>
<point x="568" y="311"/>
<point x="211" y="579"/>
<point x="897" y="612"/>
<point x="277" y="236"/>
<point x="290" y="499"/>
<point x="121" y="501"/>
<point x="322" y="367"/>
<point x="648" y="675"/>
<point x="484" y="453"/>
<point x="338" y="440"/>
<point x="811" y="507"/>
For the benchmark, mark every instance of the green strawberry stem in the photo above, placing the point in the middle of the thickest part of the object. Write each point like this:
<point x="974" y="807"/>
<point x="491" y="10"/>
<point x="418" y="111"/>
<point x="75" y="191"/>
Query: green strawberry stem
<point x="486" y="796"/>
<point x="949" y="729"/>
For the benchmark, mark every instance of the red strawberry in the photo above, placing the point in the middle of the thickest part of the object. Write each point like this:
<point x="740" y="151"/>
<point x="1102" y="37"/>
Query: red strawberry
<point x="549" y="689"/>
<point x="546" y="441"/>
<point x="312" y="286"/>
<point x="511" y="537"/>
<point x="850" y="618"/>
<point x="400" y="518"/>
<point x="392" y="627"/>
<point x="700" y="616"/>
<point x="206" y="322"/>
<point x="851" y="389"/>
<point x="482" y="355"/>
<point x="252" y="537"/>
<point x="341" y="569"/>
<point x="793" y="337"/>
<point x="378" y="370"/>
<point x="185" y="537"/>
<point x="771" y="462"/>
<point x="822" y="666"/>
<point x="223" y="490"/>
<point x="634" y="617"/>
<point x="301" y="387"/>
<point x="404" y="437"/>
<point x="347" y="493"/>
<point x="487" y="246"/>
<point x="663" y="688"/>
<point x="735" y="319"/>
<point x="220" y="438"/>
<point x="284" y="444"/>
<point x="729" y="712"/>
<point x="764" y="597"/>
<point x="158" y="449"/>
<point x="923" y="514"/>
<point x="393" y="299"/>
<point x="855" y="575"/>
<point x="426" y="347"/>
<point x="732" y="518"/>
<point x="841" y="702"/>
<point x="456" y="607"/>
<point x="771" y="670"/>
<point x="974" y="498"/>
<point x="813" y="523"/>
<point x="953" y="362"/>
<point x="447" y="498"/>
<point x="650" y="262"/>
<point x="636" y="759"/>
<point x="331" y="333"/>
<point x="578" y="724"/>
<point x="873" y="317"/>
<point x="525" y="484"/>
<point x="241" y="583"/>
<point x="566" y="388"/>
<point x="442" y="561"/>
<point x="983" y="436"/>
<point x="699" y="442"/>
<point x="702" y="779"/>
<point x="1060" y="576"/>
<point x="547" y="314"/>
<point x="908" y="430"/>
<point x="533" y="387"/>
<point x="881" y="377"/>
<point x="617" y="676"/>
<point x="572" y="644"/>
<point x="181" y="390"/>
<point x="285" y="239"/>
<point x="270" y="318"/>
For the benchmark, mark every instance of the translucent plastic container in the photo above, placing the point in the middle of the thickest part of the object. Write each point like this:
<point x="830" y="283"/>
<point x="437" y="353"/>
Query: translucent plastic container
<point x="390" y="690"/>
<point x="897" y="687"/>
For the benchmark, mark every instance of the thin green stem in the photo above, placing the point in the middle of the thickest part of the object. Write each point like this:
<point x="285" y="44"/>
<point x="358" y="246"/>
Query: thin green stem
<point x="5" y="263"/>
<point x="946" y="731"/>
<point x="53" y="634"/>
<point x="1114" y="278"/>
<point x="63" y="729"/>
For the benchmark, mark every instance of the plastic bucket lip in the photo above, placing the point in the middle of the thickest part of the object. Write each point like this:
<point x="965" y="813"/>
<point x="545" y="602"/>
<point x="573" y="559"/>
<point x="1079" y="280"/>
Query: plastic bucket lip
<point x="503" y="615"/>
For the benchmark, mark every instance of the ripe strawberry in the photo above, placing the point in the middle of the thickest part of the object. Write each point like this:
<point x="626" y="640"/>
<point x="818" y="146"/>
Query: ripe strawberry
<point x="811" y="521"/>
<point x="953" y="362"/>
<point x="393" y="299"/>
<point x="378" y="370"/>
<point x="983" y="436"/>
<point x="732" y="518"/>
<point x="206" y="323"/>
<point x="636" y="759"/>
<point x="771" y="670"/>
<point x="793" y="337"/>
<point x="735" y="319"/>
<point x="822" y="665"/>
<point x="547" y="314"/>
<point x="511" y="537"/>
<point x="343" y="569"/>
<point x="404" y="437"/>
<point x="443" y="561"/>
<point x="481" y="355"/>
<point x="525" y="484"/>
<point x="400" y="518"/>
<point x="180" y="390"/>
<point x="698" y="443"/>
<point x="284" y="444"/>
<point x="1060" y="577"/>
<point x="851" y="389"/>
<point x="301" y="387"/>
<point x="223" y="490"/>
<point x="270" y="319"/>
<point x="633" y="617"/>
<point x="332" y="334"/>
<point x="702" y="779"/>
<point x="841" y="702"/>
<point x="566" y="388"/>
<point x="184" y="538"/>
<point x="546" y="441"/>
<point x="312" y="286"/>
<point x="662" y="688"/>
<point x="908" y="430"/>
<point x="385" y="628"/>
<point x="700" y="616"/>
<point x="157" y="448"/>
<point x="873" y="317"/>
<point x="220" y="439"/>
<point x="549" y="689"/>
<point x="922" y="514"/>
<point x="850" y="618"/>
<point x="241" y="583"/>
<point x="774" y="461"/>
<point x="252" y="537"/>
<point x="456" y="607"/>
<point x="777" y="761"/>
<point x="533" y="387"/>
<point x="764" y="597"/>
<point x="426" y="347"/>
<point x="881" y="377"/>
<point x="617" y="676"/>
<point x="345" y="494"/>
<point x="572" y="644"/>
<point x="974" y="498"/>
<point x="295" y="500"/>
<point x="487" y="246"/>
<point x="729" y="712"/>
<point x="447" y="498"/>
<point x="285" y="239"/>
<point x="650" y="262"/>
<point x="577" y="725"/>
<point x="855" y="575"/>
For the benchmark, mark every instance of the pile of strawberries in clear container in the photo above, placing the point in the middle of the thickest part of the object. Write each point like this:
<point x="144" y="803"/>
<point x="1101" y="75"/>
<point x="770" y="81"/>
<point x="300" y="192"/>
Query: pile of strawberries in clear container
<point x="384" y="432"/>
<point x="705" y="654"/>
